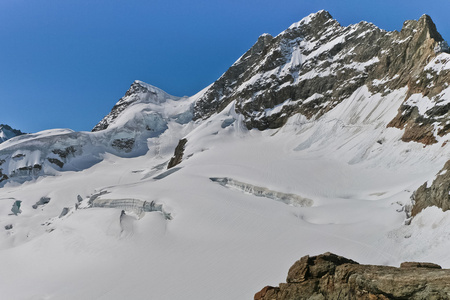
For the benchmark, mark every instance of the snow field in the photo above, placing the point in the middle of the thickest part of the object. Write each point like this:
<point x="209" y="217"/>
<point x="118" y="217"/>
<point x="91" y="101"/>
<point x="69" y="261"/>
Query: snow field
<point x="224" y="243"/>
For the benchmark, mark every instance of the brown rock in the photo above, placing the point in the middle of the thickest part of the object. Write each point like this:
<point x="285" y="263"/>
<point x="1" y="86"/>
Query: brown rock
<point x="419" y="265"/>
<point x="437" y="194"/>
<point x="178" y="155"/>
<point x="329" y="276"/>
<point x="265" y="291"/>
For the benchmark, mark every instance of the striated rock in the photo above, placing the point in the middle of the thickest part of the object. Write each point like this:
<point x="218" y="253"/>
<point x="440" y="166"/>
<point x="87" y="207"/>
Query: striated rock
<point x="419" y="265"/>
<point x="436" y="194"/>
<point x="329" y="276"/>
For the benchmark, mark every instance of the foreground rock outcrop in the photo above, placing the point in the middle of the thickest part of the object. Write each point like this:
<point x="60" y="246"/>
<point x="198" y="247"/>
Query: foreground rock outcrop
<point x="329" y="276"/>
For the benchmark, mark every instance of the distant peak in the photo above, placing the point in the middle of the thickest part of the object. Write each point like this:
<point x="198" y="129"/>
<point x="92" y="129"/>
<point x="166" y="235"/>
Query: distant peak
<point x="141" y="87"/>
<point x="7" y="132"/>
<point x="318" y="18"/>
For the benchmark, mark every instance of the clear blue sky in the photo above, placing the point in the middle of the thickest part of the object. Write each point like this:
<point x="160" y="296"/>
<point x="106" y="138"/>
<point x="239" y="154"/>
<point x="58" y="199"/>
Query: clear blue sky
<point x="65" y="63"/>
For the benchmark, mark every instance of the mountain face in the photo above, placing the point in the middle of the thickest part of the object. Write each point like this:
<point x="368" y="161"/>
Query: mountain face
<point x="315" y="64"/>
<point x="6" y="132"/>
<point x="322" y="138"/>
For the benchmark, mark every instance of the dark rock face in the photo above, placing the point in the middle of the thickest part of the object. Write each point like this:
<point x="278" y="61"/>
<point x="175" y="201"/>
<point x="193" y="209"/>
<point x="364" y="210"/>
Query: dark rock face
<point x="315" y="64"/>
<point x="124" y="144"/>
<point x="329" y="276"/>
<point x="178" y="155"/>
<point x="7" y="132"/>
<point x="437" y="194"/>
<point x="66" y="152"/>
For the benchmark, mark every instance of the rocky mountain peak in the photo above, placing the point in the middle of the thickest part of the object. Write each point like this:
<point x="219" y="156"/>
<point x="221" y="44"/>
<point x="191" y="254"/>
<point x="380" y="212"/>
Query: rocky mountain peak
<point x="318" y="19"/>
<point x="7" y="132"/>
<point x="139" y="92"/>
<point x="316" y="63"/>
<point x="136" y="87"/>
<point x="424" y="27"/>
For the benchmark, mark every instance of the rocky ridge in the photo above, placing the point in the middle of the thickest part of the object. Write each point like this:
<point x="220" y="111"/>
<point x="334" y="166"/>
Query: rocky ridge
<point x="329" y="276"/>
<point x="317" y="63"/>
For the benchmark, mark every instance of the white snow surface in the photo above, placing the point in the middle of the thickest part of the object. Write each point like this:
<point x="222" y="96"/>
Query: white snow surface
<point x="219" y="242"/>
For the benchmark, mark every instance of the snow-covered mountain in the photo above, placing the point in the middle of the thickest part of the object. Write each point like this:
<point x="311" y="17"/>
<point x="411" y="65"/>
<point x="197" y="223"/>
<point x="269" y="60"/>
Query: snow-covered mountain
<point x="7" y="132"/>
<point x="323" y="138"/>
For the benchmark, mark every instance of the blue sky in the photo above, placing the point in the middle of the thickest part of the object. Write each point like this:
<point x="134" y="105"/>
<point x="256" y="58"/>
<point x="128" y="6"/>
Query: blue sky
<point x="64" y="64"/>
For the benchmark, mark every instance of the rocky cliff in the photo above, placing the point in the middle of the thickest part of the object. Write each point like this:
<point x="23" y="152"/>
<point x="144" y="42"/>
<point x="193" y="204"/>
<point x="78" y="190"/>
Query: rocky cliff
<point x="434" y="192"/>
<point x="329" y="276"/>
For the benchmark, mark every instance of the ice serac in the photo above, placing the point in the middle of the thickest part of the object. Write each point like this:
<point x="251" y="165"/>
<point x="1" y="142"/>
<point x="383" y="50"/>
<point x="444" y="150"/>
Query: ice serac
<point x="329" y="276"/>
<point x="316" y="64"/>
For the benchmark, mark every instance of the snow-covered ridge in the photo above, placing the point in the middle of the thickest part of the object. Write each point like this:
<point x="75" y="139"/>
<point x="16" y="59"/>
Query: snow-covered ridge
<point x="152" y="97"/>
<point x="132" y="128"/>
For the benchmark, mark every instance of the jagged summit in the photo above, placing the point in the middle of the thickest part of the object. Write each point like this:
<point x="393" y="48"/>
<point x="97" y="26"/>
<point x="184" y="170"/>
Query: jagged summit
<point x="316" y="63"/>
<point x="424" y="25"/>
<point x="320" y="17"/>
<point x="7" y="132"/>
